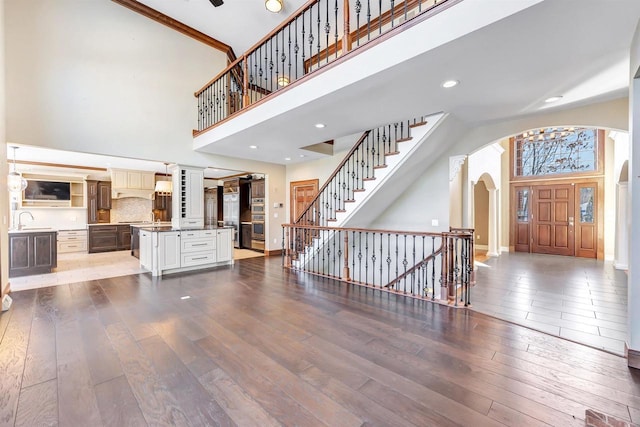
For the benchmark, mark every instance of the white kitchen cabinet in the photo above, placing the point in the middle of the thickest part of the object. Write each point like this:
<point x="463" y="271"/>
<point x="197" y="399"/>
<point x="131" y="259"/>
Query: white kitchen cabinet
<point x="188" y="197"/>
<point x="146" y="250"/>
<point x="224" y="245"/>
<point x="72" y="241"/>
<point x="132" y="179"/>
<point x="168" y="250"/>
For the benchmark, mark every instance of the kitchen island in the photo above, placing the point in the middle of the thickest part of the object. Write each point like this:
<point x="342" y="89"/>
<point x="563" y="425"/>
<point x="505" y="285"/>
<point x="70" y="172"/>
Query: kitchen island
<point x="165" y="250"/>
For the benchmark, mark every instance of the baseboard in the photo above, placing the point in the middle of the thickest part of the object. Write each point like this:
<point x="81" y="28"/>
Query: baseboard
<point x="619" y="266"/>
<point x="277" y="252"/>
<point x="6" y="290"/>
<point x="633" y="357"/>
<point x="505" y="249"/>
<point x="481" y="247"/>
<point x="493" y="254"/>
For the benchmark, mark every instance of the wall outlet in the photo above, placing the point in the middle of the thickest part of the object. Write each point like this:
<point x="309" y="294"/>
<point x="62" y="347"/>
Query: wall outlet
<point x="275" y="205"/>
<point x="275" y="215"/>
<point x="275" y="240"/>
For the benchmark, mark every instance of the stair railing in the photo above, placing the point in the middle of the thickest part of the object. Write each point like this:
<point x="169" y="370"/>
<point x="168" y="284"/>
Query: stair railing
<point x="358" y="166"/>
<point x="433" y="266"/>
<point x="308" y="40"/>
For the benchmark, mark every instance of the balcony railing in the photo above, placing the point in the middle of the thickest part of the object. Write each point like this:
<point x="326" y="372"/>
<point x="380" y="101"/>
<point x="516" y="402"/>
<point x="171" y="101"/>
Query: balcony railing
<point x="308" y="40"/>
<point x="433" y="266"/>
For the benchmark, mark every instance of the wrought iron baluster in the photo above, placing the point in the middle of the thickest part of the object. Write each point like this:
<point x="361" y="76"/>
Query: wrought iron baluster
<point x="353" y="253"/>
<point x="318" y="33"/>
<point x="373" y="260"/>
<point x="389" y="258"/>
<point x="366" y="258"/>
<point x="311" y="39"/>
<point x="335" y="37"/>
<point x="392" y="7"/>
<point x="290" y="76"/>
<point x="379" y="17"/>
<point x="368" y="20"/>
<point x="358" y="8"/>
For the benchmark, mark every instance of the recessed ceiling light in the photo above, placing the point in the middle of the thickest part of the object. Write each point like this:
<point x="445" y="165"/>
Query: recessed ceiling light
<point x="553" y="98"/>
<point x="287" y="158"/>
<point x="253" y="147"/>
<point x="319" y="125"/>
<point x="301" y="155"/>
<point x="186" y="297"/>
<point x="450" y="83"/>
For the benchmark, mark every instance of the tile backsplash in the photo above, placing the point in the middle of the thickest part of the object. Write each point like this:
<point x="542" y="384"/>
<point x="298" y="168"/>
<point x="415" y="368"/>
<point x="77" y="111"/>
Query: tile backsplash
<point x="131" y="209"/>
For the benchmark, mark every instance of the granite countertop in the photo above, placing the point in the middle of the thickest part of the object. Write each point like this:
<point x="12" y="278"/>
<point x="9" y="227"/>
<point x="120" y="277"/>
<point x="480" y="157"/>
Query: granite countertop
<point x="34" y="230"/>
<point x="134" y="223"/>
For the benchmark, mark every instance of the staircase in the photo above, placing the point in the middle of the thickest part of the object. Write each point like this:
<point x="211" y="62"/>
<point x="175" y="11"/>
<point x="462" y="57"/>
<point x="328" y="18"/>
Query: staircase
<point x="365" y="170"/>
<point x="375" y="157"/>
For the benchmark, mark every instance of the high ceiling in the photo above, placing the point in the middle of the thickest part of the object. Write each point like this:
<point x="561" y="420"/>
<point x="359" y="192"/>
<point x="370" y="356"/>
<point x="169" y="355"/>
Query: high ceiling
<point x="237" y="23"/>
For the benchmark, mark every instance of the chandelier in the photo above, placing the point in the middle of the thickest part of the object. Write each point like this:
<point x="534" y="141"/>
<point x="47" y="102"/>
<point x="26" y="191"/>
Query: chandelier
<point x="546" y="134"/>
<point x="164" y="187"/>
<point x="15" y="181"/>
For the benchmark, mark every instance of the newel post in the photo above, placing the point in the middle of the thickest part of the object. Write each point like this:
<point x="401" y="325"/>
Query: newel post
<point x="245" y="82"/>
<point x="287" y="248"/>
<point x="346" y="38"/>
<point x="346" y="275"/>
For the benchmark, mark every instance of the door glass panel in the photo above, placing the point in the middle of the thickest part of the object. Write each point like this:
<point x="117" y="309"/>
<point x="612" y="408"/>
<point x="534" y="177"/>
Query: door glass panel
<point x="522" y="205"/>
<point x="586" y="204"/>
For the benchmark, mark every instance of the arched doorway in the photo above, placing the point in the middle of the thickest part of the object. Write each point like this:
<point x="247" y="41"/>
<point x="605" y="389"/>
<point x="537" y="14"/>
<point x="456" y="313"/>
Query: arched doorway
<point x="485" y="215"/>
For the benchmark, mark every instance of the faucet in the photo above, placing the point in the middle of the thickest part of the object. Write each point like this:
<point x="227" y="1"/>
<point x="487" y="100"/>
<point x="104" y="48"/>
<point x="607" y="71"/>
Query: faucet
<point x="20" y="225"/>
<point x="153" y="217"/>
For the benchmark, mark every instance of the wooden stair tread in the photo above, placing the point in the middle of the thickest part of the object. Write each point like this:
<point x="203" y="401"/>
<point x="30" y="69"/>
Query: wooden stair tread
<point x="418" y="124"/>
<point x="369" y="179"/>
<point x="340" y="210"/>
<point x="350" y="200"/>
<point x="409" y="138"/>
<point x="358" y="190"/>
<point x="380" y="166"/>
<point x="392" y="153"/>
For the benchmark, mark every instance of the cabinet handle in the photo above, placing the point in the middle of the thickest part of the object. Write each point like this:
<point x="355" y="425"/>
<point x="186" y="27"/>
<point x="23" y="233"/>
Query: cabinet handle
<point x="72" y="238"/>
<point x="198" y="258"/>
<point x="72" y="246"/>
<point x="200" y="244"/>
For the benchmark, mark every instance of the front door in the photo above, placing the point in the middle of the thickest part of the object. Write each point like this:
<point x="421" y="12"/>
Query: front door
<point x="553" y="219"/>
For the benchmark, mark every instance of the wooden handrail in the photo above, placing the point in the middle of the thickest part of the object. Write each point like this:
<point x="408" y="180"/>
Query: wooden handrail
<point x="335" y="172"/>
<point x="368" y="230"/>
<point x="286" y="22"/>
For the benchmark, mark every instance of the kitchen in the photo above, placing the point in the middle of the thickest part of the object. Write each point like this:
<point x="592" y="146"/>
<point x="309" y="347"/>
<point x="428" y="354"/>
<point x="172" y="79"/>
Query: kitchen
<point x="79" y="212"/>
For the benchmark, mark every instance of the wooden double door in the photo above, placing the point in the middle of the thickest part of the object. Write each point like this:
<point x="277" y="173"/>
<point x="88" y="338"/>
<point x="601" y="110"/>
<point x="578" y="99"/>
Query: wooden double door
<point x="557" y="219"/>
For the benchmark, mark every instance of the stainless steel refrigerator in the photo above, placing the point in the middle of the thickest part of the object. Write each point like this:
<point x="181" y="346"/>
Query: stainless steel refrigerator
<point x="231" y="214"/>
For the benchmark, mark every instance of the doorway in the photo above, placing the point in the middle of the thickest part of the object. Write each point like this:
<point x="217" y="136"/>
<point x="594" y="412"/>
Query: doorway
<point x="301" y="194"/>
<point x="557" y="218"/>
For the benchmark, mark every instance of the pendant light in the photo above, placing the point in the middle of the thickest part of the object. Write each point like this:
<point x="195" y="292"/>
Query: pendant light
<point x="15" y="181"/>
<point x="164" y="187"/>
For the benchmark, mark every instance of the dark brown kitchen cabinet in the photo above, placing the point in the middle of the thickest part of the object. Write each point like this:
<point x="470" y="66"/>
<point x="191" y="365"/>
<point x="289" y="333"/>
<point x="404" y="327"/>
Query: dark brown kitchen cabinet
<point x="92" y="202"/>
<point x="106" y="238"/>
<point x="104" y="195"/>
<point x="98" y="202"/>
<point x="124" y="237"/>
<point x="257" y="188"/>
<point x="32" y="253"/>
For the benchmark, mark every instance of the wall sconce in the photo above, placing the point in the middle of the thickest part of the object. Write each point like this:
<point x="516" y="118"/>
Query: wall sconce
<point x="274" y="6"/>
<point x="15" y="181"/>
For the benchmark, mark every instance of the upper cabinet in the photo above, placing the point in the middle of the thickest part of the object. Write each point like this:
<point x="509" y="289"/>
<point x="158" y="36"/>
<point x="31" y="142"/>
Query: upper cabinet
<point x="188" y="197"/>
<point x="47" y="191"/>
<point x="132" y="183"/>
<point x="98" y="201"/>
<point x="257" y="188"/>
<point x="139" y="180"/>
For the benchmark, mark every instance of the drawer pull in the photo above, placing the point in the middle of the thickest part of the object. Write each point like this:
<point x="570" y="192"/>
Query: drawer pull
<point x="202" y="257"/>
<point x="72" y="246"/>
<point x="200" y="244"/>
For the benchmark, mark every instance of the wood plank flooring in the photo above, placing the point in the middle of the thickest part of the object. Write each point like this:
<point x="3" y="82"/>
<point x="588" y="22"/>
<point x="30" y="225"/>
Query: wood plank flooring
<point x="255" y="345"/>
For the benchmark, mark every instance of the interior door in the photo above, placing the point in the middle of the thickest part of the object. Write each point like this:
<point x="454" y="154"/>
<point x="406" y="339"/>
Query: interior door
<point x="553" y="219"/>
<point x="302" y="194"/>
<point x="586" y="230"/>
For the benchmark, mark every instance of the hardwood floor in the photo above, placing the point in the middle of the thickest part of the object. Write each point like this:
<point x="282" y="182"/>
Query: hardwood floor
<point x="254" y="344"/>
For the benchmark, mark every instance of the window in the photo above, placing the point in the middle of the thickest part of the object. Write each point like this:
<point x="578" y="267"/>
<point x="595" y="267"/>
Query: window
<point x="555" y="151"/>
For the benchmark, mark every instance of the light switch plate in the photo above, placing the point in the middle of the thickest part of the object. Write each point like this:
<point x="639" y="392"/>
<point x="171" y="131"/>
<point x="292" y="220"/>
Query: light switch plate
<point x="434" y="222"/>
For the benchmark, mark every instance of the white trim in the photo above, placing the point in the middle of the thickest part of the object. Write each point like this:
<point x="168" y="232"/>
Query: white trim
<point x="504" y="249"/>
<point x="481" y="247"/>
